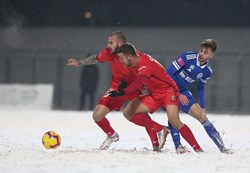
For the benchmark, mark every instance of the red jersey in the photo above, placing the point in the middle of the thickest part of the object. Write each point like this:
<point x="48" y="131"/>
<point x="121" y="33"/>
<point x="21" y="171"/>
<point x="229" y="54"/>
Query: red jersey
<point x="119" y="71"/>
<point x="158" y="81"/>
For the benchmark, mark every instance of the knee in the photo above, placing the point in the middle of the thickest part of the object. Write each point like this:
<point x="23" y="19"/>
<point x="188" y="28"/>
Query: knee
<point x="175" y="122"/>
<point x="201" y="117"/>
<point x="128" y="114"/>
<point x="196" y="112"/>
<point x="97" y="117"/>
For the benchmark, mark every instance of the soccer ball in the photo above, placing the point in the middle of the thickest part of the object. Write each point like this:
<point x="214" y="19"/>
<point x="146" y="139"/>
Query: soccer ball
<point x="51" y="140"/>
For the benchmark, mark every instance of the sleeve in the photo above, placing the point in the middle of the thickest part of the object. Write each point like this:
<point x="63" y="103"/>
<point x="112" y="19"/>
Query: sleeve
<point x="171" y="70"/>
<point x="145" y="70"/>
<point x="136" y="84"/>
<point x="201" y="93"/>
<point x="104" y="55"/>
<point x="201" y="85"/>
<point x="176" y="65"/>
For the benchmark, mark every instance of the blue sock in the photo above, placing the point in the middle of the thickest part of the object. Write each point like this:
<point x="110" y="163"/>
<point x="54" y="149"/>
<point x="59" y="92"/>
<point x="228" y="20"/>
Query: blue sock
<point x="213" y="134"/>
<point x="175" y="135"/>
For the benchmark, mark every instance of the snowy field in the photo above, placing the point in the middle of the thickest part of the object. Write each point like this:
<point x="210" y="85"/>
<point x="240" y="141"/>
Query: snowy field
<point x="21" y="147"/>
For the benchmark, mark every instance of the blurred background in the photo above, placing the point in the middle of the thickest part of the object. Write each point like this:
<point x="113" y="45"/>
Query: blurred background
<point x="38" y="37"/>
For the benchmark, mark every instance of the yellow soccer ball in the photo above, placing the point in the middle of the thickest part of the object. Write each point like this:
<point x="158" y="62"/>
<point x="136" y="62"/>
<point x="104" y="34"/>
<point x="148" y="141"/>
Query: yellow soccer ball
<point x="51" y="140"/>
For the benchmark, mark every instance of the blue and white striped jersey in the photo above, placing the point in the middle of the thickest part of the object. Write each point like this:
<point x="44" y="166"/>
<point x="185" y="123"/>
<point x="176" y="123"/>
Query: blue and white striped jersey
<point x="186" y="69"/>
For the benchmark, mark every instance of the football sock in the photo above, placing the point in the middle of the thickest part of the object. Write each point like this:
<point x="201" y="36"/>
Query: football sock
<point x="187" y="134"/>
<point x="105" y="126"/>
<point x="213" y="134"/>
<point x="142" y="119"/>
<point x="175" y="135"/>
<point x="153" y="136"/>
<point x="138" y="119"/>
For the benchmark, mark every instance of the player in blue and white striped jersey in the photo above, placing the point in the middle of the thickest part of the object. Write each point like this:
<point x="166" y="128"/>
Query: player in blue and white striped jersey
<point x="186" y="69"/>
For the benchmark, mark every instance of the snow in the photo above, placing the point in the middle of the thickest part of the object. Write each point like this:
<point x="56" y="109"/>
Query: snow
<point x="21" y="147"/>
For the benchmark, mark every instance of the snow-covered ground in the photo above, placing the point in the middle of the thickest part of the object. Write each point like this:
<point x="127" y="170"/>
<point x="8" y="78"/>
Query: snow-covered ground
<point x="21" y="147"/>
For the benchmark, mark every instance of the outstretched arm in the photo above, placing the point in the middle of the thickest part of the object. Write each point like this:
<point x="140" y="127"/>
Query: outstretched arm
<point x="137" y="84"/>
<point x="132" y="87"/>
<point x="83" y="61"/>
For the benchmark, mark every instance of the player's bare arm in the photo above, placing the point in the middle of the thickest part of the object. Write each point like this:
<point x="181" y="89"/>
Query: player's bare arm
<point x="83" y="61"/>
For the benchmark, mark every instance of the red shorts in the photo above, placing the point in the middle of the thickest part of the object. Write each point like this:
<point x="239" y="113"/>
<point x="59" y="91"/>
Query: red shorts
<point x="133" y="95"/>
<point x="169" y="98"/>
<point x="117" y="102"/>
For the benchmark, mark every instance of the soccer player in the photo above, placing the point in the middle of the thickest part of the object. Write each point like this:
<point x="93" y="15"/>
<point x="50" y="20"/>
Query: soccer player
<point x="106" y="104"/>
<point x="186" y="69"/>
<point x="163" y="90"/>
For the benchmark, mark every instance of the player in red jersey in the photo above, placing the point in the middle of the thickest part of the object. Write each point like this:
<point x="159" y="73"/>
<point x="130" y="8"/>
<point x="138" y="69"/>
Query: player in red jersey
<point x="163" y="90"/>
<point x="107" y="104"/>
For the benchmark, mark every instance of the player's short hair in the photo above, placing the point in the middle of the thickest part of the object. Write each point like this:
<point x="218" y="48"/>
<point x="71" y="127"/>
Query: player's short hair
<point x="127" y="49"/>
<point x="209" y="43"/>
<point x="120" y="35"/>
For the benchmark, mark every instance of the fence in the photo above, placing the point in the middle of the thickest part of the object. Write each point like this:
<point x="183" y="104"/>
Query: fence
<point x="228" y="90"/>
<point x="39" y="55"/>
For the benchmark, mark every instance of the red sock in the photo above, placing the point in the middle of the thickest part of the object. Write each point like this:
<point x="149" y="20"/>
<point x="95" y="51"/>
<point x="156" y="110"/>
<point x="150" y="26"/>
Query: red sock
<point x="187" y="134"/>
<point x="105" y="126"/>
<point x="144" y="120"/>
<point x="153" y="136"/>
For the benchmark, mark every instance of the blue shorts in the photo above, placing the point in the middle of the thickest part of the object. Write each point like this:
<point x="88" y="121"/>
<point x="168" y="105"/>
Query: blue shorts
<point x="188" y="94"/>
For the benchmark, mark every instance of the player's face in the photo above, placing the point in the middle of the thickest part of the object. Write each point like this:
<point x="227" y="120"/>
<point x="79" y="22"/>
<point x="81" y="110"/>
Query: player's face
<point x="126" y="60"/>
<point x="113" y="43"/>
<point x="205" y="54"/>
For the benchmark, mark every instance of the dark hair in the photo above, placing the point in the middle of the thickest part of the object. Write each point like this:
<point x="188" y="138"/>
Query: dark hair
<point x="127" y="49"/>
<point x="209" y="43"/>
<point x="120" y="35"/>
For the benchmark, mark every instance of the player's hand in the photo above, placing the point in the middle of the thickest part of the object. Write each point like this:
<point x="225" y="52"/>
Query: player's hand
<point x="183" y="99"/>
<point x="73" y="62"/>
<point x="122" y="85"/>
<point x="116" y="93"/>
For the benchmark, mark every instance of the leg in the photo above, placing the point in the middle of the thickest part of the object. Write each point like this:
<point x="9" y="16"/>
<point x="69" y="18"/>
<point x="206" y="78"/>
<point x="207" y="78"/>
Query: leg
<point x="135" y="112"/>
<point x="196" y="112"/>
<point x="135" y="106"/>
<point x="140" y="119"/>
<point x="173" y="117"/>
<point x="180" y="149"/>
<point x="154" y="139"/>
<point x="175" y="135"/>
<point x="100" y="119"/>
<point x="105" y="105"/>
